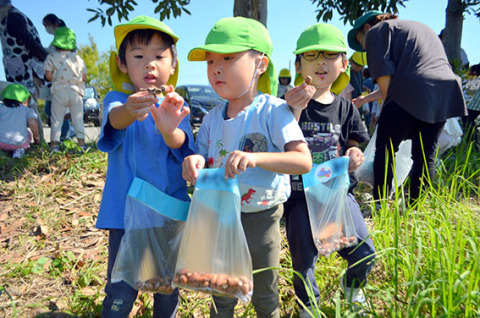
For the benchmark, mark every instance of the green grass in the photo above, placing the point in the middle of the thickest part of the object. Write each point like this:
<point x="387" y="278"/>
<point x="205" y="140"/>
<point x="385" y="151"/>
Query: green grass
<point x="53" y="261"/>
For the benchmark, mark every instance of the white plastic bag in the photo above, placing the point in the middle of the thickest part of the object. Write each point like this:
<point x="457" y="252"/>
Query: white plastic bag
<point x="326" y="190"/>
<point x="403" y="162"/>
<point x="214" y="256"/>
<point x="451" y="135"/>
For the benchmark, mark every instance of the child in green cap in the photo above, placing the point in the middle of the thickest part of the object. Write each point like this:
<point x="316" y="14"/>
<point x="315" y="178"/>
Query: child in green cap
<point x="332" y="127"/>
<point x="68" y="73"/>
<point x="16" y="119"/>
<point x="254" y="136"/>
<point x="151" y="148"/>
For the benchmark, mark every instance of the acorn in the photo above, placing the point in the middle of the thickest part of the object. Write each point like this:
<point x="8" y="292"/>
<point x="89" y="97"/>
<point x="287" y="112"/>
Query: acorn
<point x="183" y="279"/>
<point x="213" y="281"/>
<point x="222" y="283"/>
<point x="308" y="80"/>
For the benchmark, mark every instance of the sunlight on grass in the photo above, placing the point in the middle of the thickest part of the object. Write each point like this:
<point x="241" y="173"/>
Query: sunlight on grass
<point x="428" y="261"/>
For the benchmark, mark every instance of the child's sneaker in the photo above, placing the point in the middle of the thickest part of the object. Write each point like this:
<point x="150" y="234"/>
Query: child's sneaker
<point x="354" y="295"/>
<point x="18" y="153"/>
<point x="303" y="313"/>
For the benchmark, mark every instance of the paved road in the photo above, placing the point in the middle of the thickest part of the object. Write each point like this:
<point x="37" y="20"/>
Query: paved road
<point x="91" y="133"/>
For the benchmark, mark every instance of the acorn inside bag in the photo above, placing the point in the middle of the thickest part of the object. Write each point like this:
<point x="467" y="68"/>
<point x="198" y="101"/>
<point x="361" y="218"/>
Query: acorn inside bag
<point x="214" y="256"/>
<point x="326" y="189"/>
<point x="154" y="223"/>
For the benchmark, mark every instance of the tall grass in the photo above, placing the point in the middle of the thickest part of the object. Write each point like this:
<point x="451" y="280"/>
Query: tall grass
<point x="427" y="254"/>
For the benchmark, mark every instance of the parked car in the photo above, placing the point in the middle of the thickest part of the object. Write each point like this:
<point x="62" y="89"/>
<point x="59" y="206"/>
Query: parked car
<point x="91" y="106"/>
<point x="201" y="99"/>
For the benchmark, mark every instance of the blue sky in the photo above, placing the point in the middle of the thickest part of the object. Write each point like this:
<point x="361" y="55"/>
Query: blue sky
<point x="286" y="20"/>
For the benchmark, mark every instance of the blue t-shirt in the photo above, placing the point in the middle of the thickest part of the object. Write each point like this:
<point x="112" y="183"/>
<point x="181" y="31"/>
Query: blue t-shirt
<point x="271" y="126"/>
<point x="139" y="147"/>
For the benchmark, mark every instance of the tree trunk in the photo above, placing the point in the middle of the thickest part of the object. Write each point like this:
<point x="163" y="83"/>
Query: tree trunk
<point x="254" y="9"/>
<point x="452" y="36"/>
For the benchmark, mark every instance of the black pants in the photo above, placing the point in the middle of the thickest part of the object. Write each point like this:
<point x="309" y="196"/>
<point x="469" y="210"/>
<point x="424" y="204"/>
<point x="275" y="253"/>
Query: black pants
<point x="394" y="126"/>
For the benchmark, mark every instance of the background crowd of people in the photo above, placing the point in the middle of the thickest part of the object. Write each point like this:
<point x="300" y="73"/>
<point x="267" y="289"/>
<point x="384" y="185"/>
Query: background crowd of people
<point x="49" y="74"/>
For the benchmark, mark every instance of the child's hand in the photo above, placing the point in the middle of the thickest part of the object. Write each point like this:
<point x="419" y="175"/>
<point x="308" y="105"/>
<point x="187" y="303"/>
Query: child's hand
<point x="356" y="158"/>
<point x="170" y="113"/>
<point x="359" y="101"/>
<point x="138" y="105"/>
<point x="298" y="97"/>
<point x="190" y="167"/>
<point x="238" y="161"/>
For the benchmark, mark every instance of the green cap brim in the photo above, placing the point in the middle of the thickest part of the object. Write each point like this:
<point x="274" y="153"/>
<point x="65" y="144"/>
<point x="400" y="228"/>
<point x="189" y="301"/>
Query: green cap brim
<point x="141" y="23"/>
<point x="16" y="92"/>
<point x="267" y="84"/>
<point x="239" y="34"/>
<point x="357" y="26"/>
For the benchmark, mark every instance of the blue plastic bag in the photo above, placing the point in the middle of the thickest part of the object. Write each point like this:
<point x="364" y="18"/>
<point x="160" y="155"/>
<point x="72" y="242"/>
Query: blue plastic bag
<point x="154" y="223"/>
<point x="214" y="256"/>
<point x="326" y="189"/>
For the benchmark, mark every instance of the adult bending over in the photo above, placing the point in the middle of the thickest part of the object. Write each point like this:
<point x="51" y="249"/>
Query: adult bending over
<point x="419" y="88"/>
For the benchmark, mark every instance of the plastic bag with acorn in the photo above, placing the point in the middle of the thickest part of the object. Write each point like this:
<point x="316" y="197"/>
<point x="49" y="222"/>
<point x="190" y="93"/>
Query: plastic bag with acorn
<point x="214" y="256"/>
<point x="326" y="188"/>
<point x="154" y="223"/>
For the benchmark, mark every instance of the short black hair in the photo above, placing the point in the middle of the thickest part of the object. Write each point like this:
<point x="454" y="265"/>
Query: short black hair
<point x="144" y="36"/>
<point x="475" y="70"/>
<point x="11" y="103"/>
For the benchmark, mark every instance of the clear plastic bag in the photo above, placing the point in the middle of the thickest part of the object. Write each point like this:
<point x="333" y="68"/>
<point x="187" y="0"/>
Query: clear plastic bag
<point x="403" y="162"/>
<point x="326" y="188"/>
<point x="214" y="256"/>
<point x="154" y="223"/>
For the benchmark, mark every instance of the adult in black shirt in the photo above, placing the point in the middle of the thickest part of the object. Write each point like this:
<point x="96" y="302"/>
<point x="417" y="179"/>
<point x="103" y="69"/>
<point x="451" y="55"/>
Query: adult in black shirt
<point x="419" y="88"/>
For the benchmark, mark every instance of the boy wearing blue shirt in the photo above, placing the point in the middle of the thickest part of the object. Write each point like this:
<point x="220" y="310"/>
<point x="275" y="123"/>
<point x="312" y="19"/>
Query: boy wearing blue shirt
<point x="254" y="136"/>
<point x="151" y="148"/>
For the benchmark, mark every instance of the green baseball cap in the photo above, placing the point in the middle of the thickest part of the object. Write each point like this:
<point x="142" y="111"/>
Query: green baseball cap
<point x="366" y="17"/>
<point x="323" y="37"/>
<point x="121" y="81"/>
<point x="65" y="39"/>
<point x="16" y="92"/>
<point x="239" y="34"/>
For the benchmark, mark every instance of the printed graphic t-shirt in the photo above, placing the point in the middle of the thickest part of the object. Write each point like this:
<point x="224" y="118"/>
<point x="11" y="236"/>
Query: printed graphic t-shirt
<point x="327" y="128"/>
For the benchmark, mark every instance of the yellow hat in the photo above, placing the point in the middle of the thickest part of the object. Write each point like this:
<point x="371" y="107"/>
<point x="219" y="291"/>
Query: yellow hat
<point x="360" y="58"/>
<point x="121" y="81"/>
<point x="284" y="73"/>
